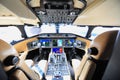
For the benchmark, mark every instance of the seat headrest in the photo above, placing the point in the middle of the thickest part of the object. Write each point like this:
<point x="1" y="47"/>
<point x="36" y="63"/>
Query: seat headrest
<point x="104" y="44"/>
<point x="6" y="50"/>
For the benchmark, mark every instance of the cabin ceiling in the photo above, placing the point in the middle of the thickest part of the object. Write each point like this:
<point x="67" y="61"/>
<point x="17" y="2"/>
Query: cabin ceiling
<point x="15" y="12"/>
<point x="97" y="13"/>
<point x="101" y="12"/>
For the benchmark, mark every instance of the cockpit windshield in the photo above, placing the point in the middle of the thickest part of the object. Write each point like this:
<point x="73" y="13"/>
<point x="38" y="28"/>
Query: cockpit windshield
<point x="57" y="28"/>
<point x="12" y="34"/>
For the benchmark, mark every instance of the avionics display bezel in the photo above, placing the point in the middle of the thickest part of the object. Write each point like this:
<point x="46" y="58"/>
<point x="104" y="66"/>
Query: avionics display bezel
<point x="57" y="42"/>
<point x="48" y="44"/>
<point x="69" y="42"/>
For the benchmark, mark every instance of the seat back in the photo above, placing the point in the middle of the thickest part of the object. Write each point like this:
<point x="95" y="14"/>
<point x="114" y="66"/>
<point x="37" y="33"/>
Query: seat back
<point x="88" y="70"/>
<point x="112" y="71"/>
<point x="89" y="67"/>
<point x="105" y="44"/>
<point x="5" y="51"/>
<point x="23" y="71"/>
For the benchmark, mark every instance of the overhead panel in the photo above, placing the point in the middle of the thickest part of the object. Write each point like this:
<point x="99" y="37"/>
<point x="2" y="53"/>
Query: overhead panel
<point x="53" y="11"/>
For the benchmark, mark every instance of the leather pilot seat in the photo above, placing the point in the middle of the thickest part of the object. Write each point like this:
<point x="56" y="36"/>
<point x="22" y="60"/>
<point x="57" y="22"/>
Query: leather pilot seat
<point x="92" y="66"/>
<point x="11" y="61"/>
<point x="5" y="51"/>
<point x="104" y="43"/>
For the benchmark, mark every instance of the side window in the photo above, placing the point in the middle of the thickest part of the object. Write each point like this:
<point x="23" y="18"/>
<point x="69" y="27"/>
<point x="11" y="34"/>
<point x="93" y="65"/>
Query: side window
<point x="99" y="30"/>
<point x="32" y="31"/>
<point x="10" y="34"/>
<point x="82" y="31"/>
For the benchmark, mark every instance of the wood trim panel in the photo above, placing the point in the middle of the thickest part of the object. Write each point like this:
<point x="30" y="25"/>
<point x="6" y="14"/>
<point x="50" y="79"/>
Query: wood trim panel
<point x="22" y="46"/>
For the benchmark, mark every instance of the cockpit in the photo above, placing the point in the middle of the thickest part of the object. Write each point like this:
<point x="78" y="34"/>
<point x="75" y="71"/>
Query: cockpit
<point x="58" y="51"/>
<point x="59" y="39"/>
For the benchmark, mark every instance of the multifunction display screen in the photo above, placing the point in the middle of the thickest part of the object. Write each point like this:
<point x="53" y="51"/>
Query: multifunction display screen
<point x="57" y="42"/>
<point x="57" y="50"/>
<point x="69" y="42"/>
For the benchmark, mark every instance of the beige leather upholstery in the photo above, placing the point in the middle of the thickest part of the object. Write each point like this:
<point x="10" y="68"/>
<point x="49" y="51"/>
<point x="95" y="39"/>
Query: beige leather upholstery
<point x="85" y="69"/>
<point x="18" y="75"/>
<point x="81" y="66"/>
<point x="88" y="70"/>
<point x="7" y="50"/>
<point x="104" y="43"/>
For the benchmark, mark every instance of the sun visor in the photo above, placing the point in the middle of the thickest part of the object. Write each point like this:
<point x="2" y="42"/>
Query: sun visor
<point x="100" y="12"/>
<point x="15" y="12"/>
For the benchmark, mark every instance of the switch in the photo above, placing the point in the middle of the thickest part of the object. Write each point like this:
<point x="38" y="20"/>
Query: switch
<point x="63" y="59"/>
<point x="51" y="60"/>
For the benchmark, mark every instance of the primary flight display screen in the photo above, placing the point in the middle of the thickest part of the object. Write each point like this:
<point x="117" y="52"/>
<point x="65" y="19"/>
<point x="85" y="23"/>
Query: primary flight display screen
<point x="45" y="42"/>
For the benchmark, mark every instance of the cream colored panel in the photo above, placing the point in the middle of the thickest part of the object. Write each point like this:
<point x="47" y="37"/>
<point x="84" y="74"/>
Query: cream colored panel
<point x="21" y="10"/>
<point x="81" y="66"/>
<point x="23" y="1"/>
<point x="101" y="12"/>
<point x="75" y="64"/>
<point x="89" y="1"/>
<point x="35" y="3"/>
<point x="78" y="4"/>
<point x="25" y="67"/>
<point x="88" y="71"/>
<point x="5" y="12"/>
<point x="29" y="71"/>
<point x="7" y="17"/>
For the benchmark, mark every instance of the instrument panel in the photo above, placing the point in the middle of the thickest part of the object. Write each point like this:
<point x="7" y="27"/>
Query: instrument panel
<point x="56" y="40"/>
<point x="57" y="49"/>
